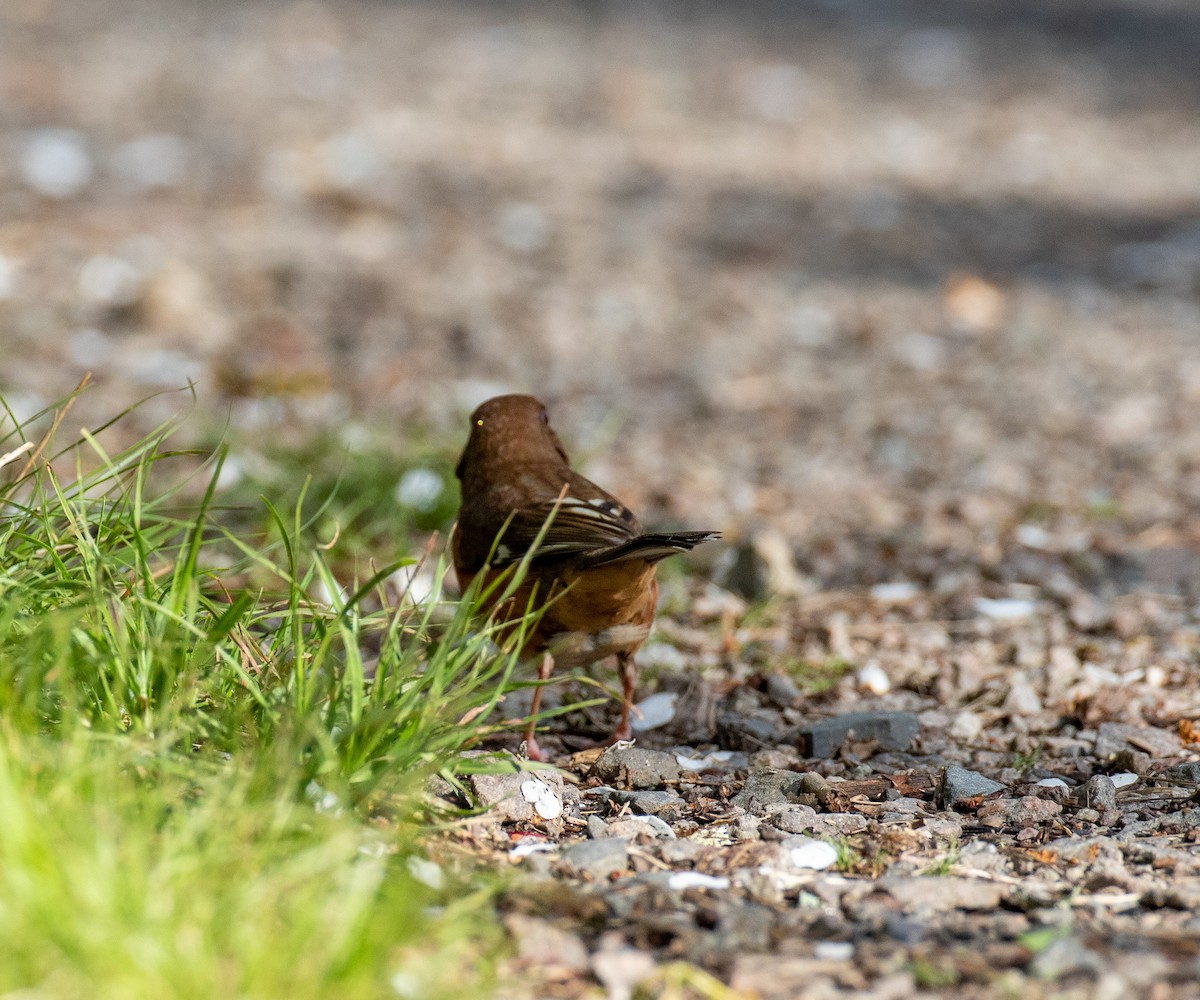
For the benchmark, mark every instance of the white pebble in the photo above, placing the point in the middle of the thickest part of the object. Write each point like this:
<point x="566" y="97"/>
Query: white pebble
<point x="871" y="677"/>
<point x="531" y="846"/>
<point x="1032" y="536"/>
<point x="833" y="951"/>
<point x="662" y="655"/>
<point x="696" y="880"/>
<point x="417" y="583"/>
<point x="922" y="352"/>
<point x="815" y="854"/>
<point x="655" y="711"/>
<point x="232" y="472"/>
<point x="966" y="727"/>
<point x="419" y="489"/>
<point x="714" y="758"/>
<point x="8" y="275"/>
<point x="351" y="161"/>
<point x="658" y="827"/>
<point x="109" y="280"/>
<point x="55" y="162"/>
<point x="427" y="872"/>
<point x="1123" y="779"/>
<point x="1005" y="608"/>
<point x="894" y="593"/>
<point x="89" y="347"/>
<point x="1053" y="783"/>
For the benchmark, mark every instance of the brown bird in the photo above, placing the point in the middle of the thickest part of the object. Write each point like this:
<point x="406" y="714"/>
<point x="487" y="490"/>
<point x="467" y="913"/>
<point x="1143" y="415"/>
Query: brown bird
<point x="592" y="566"/>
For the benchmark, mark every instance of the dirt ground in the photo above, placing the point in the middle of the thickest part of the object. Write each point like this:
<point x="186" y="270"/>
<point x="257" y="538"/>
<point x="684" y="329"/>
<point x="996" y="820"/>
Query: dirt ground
<point x="904" y="298"/>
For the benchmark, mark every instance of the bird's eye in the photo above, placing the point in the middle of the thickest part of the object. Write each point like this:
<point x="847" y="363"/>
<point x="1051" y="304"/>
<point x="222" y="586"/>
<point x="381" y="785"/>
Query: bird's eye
<point x="479" y="423"/>
<point x="544" y="417"/>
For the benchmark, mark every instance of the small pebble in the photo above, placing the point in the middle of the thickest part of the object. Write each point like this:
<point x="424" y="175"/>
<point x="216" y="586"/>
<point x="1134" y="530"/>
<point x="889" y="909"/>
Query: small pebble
<point x="833" y="951"/>
<point x="1005" y="608"/>
<point x="532" y="845"/>
<point x="894" y="593"/>
<point x="653" y="712"/>
<point x="8" y="274"/>
<point x="712" y="759"/>
<point x="110" y="281"/>
<point x="814" y="854"/>
<point x="873" y="678"/>
<point x="55" y="162"/>
<point x="696" y="880"/>
<point x="419" y="489"/>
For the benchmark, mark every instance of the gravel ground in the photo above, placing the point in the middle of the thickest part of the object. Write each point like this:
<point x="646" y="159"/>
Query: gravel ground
<point x="903" y="298"/>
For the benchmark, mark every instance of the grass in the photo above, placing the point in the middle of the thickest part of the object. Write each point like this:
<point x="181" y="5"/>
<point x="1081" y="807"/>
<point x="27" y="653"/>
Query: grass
<point x="944" y="865"/>
<point x="213" y="749"/>
<point x="816" y="678"/>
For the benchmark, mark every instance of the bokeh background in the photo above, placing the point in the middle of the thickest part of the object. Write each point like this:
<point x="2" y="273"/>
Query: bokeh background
<point x="878" y="279"/>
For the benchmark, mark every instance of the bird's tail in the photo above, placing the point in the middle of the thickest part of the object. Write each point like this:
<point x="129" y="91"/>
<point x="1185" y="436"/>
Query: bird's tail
<point x="652" y="547"/>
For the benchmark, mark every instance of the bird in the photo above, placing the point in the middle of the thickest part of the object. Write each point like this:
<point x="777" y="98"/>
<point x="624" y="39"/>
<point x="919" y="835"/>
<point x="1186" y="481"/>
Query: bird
<point x="590" y="565"/>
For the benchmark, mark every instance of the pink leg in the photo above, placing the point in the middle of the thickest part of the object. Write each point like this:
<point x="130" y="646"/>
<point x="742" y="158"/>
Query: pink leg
<point x="545" y="669"/>
<point x="628" y="669"/>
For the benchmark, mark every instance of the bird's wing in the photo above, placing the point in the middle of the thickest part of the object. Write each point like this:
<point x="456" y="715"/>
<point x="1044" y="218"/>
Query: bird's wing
<point x="572" y="526"/>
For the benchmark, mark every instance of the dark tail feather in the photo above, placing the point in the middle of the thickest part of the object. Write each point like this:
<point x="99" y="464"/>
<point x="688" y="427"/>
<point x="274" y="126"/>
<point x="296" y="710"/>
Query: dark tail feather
<point x="652" y="547"/>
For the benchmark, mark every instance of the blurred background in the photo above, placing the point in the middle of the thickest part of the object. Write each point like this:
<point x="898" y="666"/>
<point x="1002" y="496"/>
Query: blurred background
<point x="879" y="279"/>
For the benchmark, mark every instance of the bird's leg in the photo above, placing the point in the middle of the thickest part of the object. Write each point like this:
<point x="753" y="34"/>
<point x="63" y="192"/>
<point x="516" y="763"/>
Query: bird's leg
<point x="545" y="669"/>
<point x="628" y="669"/>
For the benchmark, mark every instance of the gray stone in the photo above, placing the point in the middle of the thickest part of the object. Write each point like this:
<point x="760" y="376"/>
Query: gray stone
<point x="944" y="828"/>
<point x="634" y="767"/>
<point x="596" y="858"/>
<point x="639" y="827"/>
<point x="891" y="730"/>
<point x="795" y="819"/>
<point x="596" y="827"/>
<point x="1187" y="774"/>
<point x="747" y="827"/>
<point x="745" y="732"/>
<point x="1114" y="737"/>
<point x="782" y="690"/>
<point x="957" y="784"/>
<point x="1065" y="956"/>
<point x="501" y="793"/>
<point x="668" y="805"/>
<point x="683" y="851"/>
<point x="541" y="943"/>
<point x="768" y="787"/>
<point x="815" y="785"/>
<point x="1098" y="792"/>
<point x="1135" y="761"/>
<point x="926" y="894"/>
<point x="841" y="824"/>
<point x="1027" y="811"/>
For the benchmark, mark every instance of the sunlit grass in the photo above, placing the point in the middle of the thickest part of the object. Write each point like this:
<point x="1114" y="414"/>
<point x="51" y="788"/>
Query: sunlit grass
<point x="213" y="746"/>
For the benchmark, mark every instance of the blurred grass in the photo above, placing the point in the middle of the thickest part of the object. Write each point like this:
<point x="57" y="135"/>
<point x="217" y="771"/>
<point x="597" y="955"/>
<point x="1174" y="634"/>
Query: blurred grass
<point x="213" y="749"/>
<point x="368" y="490"/>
